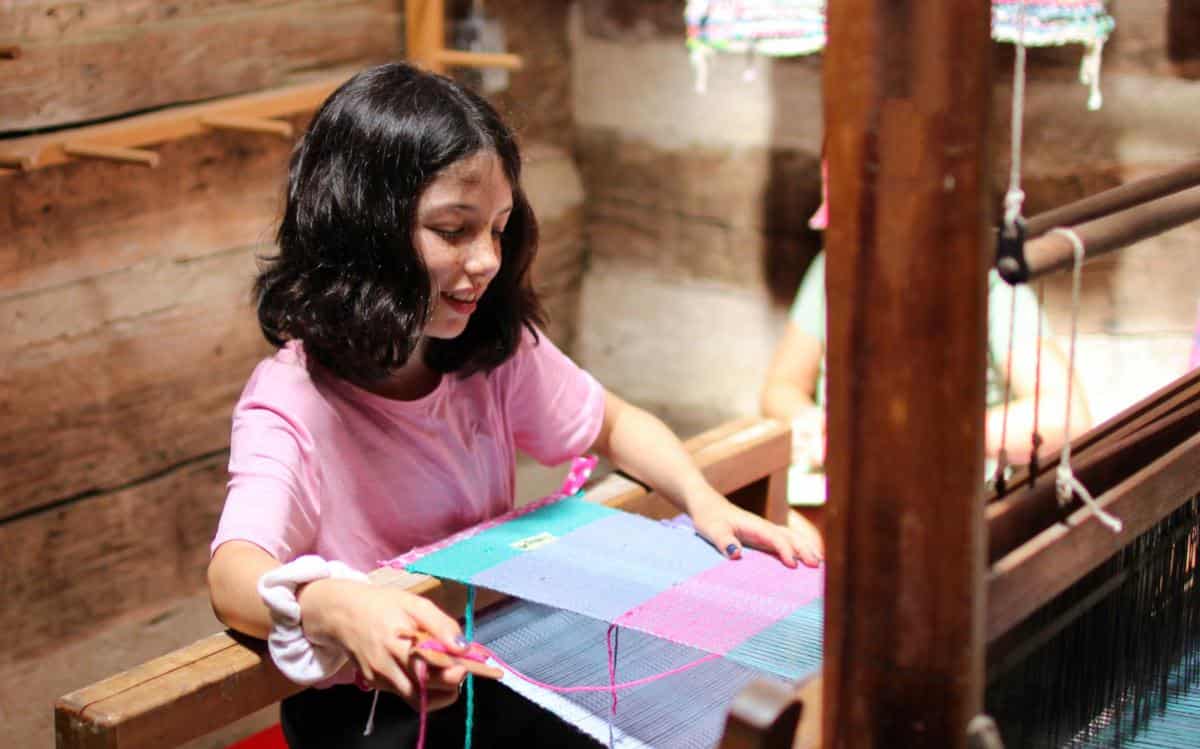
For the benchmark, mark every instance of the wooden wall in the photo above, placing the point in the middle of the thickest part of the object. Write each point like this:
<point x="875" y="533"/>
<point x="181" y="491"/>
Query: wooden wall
<point x="126" y="331"/>
<point x="698" y="203"/>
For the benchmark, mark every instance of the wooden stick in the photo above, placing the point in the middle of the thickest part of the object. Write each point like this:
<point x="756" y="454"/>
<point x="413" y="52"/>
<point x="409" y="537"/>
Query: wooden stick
<point x="112" y="153"/>
<point x="18" y="161"/>
<point x="425" y="33"/>
<point x="457" y="58"/>
<point x="1118" y="198"/>
<point x="1053" y="251"/>
<point x="248" y="124"/>
<point x="908" y="178"/>
<point x="1163" y="401"/>
<point x="199" y="688"/>
<point x="1022" y="516"/>
<point x="1031" y="575"/>
<point x="176" y="122"/>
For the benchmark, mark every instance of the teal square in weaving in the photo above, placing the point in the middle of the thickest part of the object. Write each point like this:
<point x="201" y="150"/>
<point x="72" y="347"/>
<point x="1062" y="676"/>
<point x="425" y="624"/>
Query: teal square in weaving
<point x="469" y="557"/>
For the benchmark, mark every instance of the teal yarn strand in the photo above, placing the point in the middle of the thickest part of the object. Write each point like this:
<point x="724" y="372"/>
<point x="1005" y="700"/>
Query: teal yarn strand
<point x="469" y="633"/>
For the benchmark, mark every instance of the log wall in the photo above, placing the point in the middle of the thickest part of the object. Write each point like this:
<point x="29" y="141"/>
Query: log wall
<point x="126" y="329"/>
<point x="698" y="203"/>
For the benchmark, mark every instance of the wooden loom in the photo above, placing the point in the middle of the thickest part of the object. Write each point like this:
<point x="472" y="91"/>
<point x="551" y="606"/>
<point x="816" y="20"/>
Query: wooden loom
<point x="924" y="583"/>
<point x="197" y="689"/>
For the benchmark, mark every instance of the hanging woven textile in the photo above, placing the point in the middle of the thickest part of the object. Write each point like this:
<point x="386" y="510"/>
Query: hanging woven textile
<point x="797" y="27"/>
<point x="687" y="616"/>
<point x="1049" y="23"/>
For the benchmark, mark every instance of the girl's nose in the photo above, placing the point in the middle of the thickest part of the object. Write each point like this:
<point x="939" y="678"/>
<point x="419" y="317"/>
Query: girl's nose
<point x="483" y="257"/>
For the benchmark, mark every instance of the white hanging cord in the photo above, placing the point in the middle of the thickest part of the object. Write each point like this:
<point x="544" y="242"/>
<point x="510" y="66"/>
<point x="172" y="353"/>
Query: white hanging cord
<point x="371" y="716"/>
<point x="1065" y="479"/>
<point x="1014" y="199"/>
<point x="999" y="478"/>
<point x="1089" y="73"/>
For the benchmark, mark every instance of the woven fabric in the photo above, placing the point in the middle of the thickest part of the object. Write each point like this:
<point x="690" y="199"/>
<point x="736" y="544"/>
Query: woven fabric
<point x="686" y="711"/>
<point x="797" y="27"/>
<point x="769" y="27"/>
<point x="616" y="567"/>
<point x="1051" y="22"/>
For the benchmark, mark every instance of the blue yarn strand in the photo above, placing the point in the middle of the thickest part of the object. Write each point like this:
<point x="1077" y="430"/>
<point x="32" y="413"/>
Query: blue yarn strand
<point x="469" y="633"/>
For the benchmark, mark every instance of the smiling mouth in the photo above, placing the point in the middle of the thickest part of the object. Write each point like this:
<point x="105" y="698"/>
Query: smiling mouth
<point x="463" y="303"/>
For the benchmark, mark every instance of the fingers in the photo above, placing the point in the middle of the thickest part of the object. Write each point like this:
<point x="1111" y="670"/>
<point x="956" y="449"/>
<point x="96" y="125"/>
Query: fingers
<point x="438" y="623"/>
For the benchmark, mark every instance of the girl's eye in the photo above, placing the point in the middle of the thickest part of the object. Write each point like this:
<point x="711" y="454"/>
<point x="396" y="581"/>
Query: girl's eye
<point x="498" y="232"/>
<point x="448" y="233"/>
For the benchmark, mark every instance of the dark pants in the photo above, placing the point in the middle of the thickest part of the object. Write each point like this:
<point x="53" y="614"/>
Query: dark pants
<point x="334" y="718"/>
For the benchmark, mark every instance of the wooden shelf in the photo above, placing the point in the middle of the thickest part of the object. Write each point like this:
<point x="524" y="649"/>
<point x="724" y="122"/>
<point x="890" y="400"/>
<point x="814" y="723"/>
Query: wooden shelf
<point x="126" y="140"/>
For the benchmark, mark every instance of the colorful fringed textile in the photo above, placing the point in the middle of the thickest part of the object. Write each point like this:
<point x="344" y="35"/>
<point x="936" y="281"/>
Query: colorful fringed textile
<point x="620" y="568"/>
<point x="578" y="567"/>
<point x="797" y="27"/>
<point x="769" y="27"/>
<point x="1051" y="22"/>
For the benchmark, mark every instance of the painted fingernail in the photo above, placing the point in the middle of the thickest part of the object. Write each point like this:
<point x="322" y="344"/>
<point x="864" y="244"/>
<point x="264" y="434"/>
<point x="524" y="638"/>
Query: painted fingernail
<point x="461" y="641"/>
<point x="731" y="549"/>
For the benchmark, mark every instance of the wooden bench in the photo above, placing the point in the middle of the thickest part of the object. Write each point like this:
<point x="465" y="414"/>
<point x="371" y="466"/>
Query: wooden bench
<point x="219" y="679"/>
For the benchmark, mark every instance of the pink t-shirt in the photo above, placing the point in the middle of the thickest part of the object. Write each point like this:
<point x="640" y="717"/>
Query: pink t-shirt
<point x="320" y="466"/>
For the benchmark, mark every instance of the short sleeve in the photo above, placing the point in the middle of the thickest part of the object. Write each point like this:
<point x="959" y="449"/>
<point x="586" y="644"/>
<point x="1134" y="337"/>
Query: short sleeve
<point x="271" y="500"/>
<point x="555" y="408"/>
<point x="808" y="311"/>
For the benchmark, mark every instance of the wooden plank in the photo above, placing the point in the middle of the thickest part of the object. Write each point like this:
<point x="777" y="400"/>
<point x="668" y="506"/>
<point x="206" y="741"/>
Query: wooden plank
<point x="764" y="715"/>
<point x="1183" y="35"/>
<point x="1031" y="575"/>
<point x="188" y="59"/>
<point x="69" y="568"/>
<point x="1153" y="407"/>
<point x="1021" y="516"/>
<point x="211" y="193"/>
<point x="906" y="278"/>
<point x="425" y="33"/>
<point x="193" y="691"/>
<point x="46" y="20"/>
<point x="114" y="379"/>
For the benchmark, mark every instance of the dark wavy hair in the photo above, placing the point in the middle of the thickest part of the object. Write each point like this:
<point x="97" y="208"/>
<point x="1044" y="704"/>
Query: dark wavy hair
<point x="348" y="281"/>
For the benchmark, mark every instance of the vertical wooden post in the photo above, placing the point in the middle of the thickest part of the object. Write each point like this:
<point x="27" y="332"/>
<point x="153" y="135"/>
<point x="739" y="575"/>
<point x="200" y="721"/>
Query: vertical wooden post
<point x="907" y="92"/>
<point x="1183" y="31"/>
<point x="425" y="33"/>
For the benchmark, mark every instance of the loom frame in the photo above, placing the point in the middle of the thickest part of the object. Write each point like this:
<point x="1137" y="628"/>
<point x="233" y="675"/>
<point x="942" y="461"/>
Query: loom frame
<point x="199" y="688"/>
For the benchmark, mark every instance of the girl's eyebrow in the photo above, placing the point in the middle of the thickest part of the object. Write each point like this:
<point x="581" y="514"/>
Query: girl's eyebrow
<point x="464" y="208"/>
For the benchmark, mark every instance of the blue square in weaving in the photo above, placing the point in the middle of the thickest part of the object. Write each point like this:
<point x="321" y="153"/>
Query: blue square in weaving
<point x="469" y="557"/>
<point x="604" y="569"/>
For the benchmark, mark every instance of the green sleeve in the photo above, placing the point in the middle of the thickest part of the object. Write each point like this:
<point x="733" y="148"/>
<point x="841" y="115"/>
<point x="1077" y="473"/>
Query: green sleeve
<point x="808" y="311"/>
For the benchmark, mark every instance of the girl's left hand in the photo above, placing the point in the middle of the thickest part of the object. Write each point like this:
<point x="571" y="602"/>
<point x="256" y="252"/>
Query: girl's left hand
<point x="729" y="527"/>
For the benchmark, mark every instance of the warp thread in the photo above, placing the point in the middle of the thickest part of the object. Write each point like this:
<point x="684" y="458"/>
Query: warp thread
<point x="482" y="653"/>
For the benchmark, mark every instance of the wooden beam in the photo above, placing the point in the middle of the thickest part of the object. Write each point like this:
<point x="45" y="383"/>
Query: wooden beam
<point x="907" y="87"/>
<point x="1117" y="199"/>
<point x="192" y="691"/>
<point x="1054" y="251"/>
<point x="425" y="33"/>
<point x="1183" y="34"/>
<point x="171" y="124"/>
<point x="1031" y="575"/>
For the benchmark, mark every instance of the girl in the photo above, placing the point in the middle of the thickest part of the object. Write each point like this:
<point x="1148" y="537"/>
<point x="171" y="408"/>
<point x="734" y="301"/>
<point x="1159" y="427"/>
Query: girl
<point x="410" y="369"/>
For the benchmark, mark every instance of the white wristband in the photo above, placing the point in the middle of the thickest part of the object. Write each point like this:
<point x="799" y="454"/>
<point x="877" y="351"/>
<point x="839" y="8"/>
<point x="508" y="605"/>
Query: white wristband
<point x="300" y="659"/>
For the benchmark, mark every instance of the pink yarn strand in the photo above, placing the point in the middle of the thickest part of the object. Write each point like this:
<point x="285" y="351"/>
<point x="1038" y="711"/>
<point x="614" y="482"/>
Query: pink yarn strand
<point x="481" y="653"/>
<point x="424" y="711"/>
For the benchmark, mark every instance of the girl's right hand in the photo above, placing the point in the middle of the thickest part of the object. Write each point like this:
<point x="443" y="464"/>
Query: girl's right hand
<point x="377" y="624"/>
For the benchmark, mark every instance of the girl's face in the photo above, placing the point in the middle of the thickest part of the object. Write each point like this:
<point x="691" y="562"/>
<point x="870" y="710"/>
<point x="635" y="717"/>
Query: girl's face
<point x="460" y="218"/>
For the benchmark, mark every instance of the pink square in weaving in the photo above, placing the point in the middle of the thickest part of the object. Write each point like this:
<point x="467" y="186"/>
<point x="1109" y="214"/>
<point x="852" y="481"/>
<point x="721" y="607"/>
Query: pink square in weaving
<point x="722" y="607"/>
